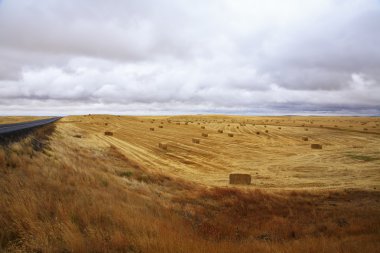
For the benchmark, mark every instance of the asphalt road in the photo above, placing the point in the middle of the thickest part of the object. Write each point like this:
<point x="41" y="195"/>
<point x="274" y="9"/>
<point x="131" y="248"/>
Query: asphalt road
<point x="10" y="128"/>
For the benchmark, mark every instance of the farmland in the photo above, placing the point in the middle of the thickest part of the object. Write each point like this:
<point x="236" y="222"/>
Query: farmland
<point x="277" y="159"/>
<point x="101" y="183"/>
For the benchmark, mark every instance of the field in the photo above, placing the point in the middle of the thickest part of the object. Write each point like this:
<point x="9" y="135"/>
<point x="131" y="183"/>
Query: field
<point x="276" y="159"/>
<point x="18" y="119"/>
<point x="83" y="191"/>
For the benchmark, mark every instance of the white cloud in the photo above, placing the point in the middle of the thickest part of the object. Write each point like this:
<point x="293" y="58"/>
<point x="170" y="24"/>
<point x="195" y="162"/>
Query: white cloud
<point x="189" y="56"/>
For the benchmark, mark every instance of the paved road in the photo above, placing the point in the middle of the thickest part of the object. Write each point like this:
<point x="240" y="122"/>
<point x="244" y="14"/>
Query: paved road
<point x="10" y="128"/>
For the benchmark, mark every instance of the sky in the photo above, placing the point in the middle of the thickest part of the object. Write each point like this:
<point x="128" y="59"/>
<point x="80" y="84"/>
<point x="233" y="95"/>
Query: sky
<point x="148" y="57"/>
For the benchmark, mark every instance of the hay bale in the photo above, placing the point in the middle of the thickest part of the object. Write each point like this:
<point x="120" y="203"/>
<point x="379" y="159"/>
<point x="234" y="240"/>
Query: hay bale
<point x="203" y="127"/>
<point x="316" y="146"/>
<point x="204" y="135"/>
<point x="279" y="128"/>
<point x="108" y="133"/>
<point x="258" y="133"/>
<point x="266" y="131"/>
<point x="220" y="131"/>
<point x="160" y="126"/>
<point x="77" y="136"/>
<point x="230" y="135"/>
<point x="305" y="138"/>
<point x="151" y="129"/>
<point x="106" y="124"/>
<point x="196" y="140"/>
<point x="306" y="129"/>
<point x="163" y="145"/>
<point x="238" y="178"/>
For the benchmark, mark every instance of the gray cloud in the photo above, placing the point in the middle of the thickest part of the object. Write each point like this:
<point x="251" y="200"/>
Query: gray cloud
<point x="189" y="56"/>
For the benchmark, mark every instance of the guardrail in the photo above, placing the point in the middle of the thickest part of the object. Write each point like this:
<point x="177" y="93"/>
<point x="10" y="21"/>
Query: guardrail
<point x="6" y="129"/>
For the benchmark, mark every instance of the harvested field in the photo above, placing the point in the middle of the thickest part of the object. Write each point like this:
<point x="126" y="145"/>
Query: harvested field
<point x="276" y="155"/>
<point x="133" y="191"/>
<point x="17" y="119"/>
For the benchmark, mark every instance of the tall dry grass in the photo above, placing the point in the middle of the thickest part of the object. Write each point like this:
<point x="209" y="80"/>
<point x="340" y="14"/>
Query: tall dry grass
<point x="56" y="196"/>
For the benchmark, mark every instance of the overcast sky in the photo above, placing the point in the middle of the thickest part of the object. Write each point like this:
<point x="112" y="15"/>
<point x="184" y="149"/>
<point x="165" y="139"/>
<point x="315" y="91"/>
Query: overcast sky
<point x="189" y="56"/>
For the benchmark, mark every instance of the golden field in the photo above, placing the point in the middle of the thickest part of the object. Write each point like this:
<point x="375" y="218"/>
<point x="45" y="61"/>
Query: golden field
<point x="18" y="119"/>
<point x="85" y="191"/>
<point x="277" y="159"/>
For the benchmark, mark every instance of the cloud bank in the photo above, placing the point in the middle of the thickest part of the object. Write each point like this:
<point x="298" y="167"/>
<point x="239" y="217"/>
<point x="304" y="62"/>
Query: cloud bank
<point x="167" y="57"/>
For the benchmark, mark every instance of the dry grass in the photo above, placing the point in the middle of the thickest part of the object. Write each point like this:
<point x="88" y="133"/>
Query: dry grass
<point x="81" y="195"/>
<point x="17" y="119"/>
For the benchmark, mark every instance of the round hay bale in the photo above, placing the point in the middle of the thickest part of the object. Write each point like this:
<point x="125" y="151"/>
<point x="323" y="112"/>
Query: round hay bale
<point x="305" y="138"/>
<point x="230" y="135"/>
<point x="239" y="178"/>
<point x="196" y="140"/>
<point x="220" y="131"/>
<point x="160" y="126"/>
<point x="151" y="129"/>
<point x="258" y="133"/>
<point x="108" y="133"/>
<point x="204" y="135"/>
<point x="266" y="131"/>
<point x="316" y="146"/>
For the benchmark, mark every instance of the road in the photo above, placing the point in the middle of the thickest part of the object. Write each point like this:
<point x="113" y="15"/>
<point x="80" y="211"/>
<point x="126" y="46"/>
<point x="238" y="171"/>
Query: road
<point x="10" y="128"/>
